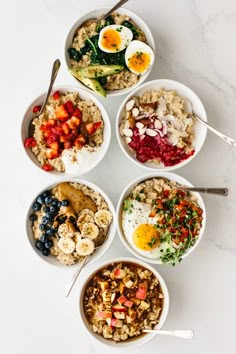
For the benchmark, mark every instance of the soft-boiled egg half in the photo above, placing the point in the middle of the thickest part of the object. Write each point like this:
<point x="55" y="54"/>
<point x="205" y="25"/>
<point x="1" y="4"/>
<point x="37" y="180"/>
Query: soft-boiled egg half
<point x="139" y="57"/>
<point x="114" y="38"/>
<point x="140" y="230"/>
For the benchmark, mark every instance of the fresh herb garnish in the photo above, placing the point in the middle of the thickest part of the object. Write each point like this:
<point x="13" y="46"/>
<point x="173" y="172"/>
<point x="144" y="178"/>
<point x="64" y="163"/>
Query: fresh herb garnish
<point x="152" y="243"/>
<point x="138" y="198"/>
<point x="127" y="207"/>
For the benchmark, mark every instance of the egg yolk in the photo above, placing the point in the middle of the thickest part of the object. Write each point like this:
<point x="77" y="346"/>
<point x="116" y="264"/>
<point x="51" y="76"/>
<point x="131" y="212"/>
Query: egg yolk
<point x="146" y="237"/>
<point x="111" y="40"/>
<point x="139" y="62"/>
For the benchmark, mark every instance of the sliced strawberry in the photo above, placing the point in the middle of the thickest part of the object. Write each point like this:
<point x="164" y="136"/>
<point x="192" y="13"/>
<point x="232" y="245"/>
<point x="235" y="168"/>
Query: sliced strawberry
<point x="36" y="109"/>
<point x="73" y="122"/>
<point x="57" y="130"/>
<point x="51" y="139"/>
<point x="68" y="144"/>
<point x="77" y="113"/>
<point x="92" y="127"/>
<point x="79" y="141"/>
<point x="65" y="127"/>
<point x="69" y="107"/>
<point x="56" y="95"/>
<point x="47" y="167"/>
<point x="52" y="122"/>
<point x="61" y="113"/>
<point x="54" y="145"/>
<point x="45" y="127"/>
<point x="30" y="142"/>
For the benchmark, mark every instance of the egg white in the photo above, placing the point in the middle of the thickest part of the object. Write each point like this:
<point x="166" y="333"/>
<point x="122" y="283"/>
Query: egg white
<point x="130" y="221"/>
<point x="125" y="34"/>
<point x="138" y="46"/>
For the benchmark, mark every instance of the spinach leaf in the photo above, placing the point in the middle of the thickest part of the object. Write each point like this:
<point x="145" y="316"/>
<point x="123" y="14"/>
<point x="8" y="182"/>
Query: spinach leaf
<point x="132" y="28"/>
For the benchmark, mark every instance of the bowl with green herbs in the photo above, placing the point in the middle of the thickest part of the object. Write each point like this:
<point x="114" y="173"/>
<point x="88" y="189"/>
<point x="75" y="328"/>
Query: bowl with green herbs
<point x="110" y="57"/>
<point x="159" y="221"/>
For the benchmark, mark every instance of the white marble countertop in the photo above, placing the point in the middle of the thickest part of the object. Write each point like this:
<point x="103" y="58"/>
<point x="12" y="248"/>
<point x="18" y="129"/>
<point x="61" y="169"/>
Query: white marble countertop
<point x="195" y="42"/>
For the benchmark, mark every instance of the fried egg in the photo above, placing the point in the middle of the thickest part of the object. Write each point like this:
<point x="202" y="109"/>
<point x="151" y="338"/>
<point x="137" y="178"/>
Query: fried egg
<point x="139" y="57"/>
<point x="114" y="38"/>
<point x="140" y="231"/>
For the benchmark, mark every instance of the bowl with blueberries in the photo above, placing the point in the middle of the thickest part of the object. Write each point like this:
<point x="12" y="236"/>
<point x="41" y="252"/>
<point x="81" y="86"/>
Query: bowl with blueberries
<point x="70" y="220"/>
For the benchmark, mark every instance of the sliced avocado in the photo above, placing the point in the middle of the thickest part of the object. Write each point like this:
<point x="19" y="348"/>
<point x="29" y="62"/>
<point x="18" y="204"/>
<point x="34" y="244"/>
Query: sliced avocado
<point x="95" y="71"/>
<point x="93" y="84"/>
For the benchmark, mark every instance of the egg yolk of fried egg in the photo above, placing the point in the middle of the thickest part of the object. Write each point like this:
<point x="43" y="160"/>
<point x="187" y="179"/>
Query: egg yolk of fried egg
<point x="146" y="237"/>
<point x="114" y="38"/>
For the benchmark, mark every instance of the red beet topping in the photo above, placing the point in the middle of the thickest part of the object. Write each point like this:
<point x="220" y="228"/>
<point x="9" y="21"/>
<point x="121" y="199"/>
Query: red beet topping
<point x="150" y="148"/>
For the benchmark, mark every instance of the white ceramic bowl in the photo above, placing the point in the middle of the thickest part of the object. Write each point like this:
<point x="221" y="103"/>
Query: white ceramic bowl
<point x="199" y="130"/>
<point x="98" y="155"/>
<point x="95" y="14"/>
<point x="99" y="252"/>
<point x="127" y="192"/>
<point x="134" y="342"/>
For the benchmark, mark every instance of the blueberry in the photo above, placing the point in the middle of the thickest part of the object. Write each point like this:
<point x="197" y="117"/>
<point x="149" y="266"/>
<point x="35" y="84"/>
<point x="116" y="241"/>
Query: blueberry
<point x="65" y="202"/>
<point x="33" y="217"/>
<point x="50" y="216"/>
<point x="54" y="208"/>
<point x="72" y="219"/>
<point x="48" y="200"/>
<point x="46" y="209"/>
<point x="50" y="231"/>
<point x="46" y="194"/>
<point x="39" y="245"/>
<point x="36" y="206"/>
<point x="43" y="238"/>
<point x="48" y="244"/>
<point x="44" y="220"/>
<point x="42" y="227"/>
<point x="55" y="202"/>
<point x="46" y="252"/>
<point x="61" y="219"/>
<point x="41" y="199"/>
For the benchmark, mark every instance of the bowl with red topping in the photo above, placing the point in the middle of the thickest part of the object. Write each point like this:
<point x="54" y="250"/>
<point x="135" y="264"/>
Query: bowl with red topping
<point x="156" y="125"/>
<point x="158" y="220"/>
<point x="72" y="134"/>
<point x="121" y="298"/>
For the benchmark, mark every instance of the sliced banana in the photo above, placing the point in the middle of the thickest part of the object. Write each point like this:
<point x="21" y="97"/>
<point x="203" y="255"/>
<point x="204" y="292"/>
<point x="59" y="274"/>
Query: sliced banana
<point x="66" y="245"/>
<point x="85" y="247"/>
<point x="89" y="230"/>
<point x="87" y="212"/>
<point x="77" y="236"/>
<point x="65" y="231"/>
<point x="82" y="219"/>
<point x="103" y="218"/>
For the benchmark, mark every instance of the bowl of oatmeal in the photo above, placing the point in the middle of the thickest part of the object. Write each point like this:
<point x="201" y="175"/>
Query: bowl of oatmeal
<point x="70" y="220"/>
<point x="119" y="299"/>
<point x="159" y="221"/>
<point x="111" y="57"/>
<point x="71" y="136"/>
<point x="156" y="125"/>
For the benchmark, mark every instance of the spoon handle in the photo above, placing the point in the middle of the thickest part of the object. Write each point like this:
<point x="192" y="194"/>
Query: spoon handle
<point x="182" y="333"/>
<point x="217" y="191"/>
<point x="81" y="265"/>
<point x="226" y="138"/>
<point x="119" y="4"/>
<point x="55" y="69"/>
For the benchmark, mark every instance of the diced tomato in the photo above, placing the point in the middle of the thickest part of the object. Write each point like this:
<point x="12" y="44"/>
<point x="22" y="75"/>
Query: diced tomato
<point x="166" y="193"/>
<point x="184" y="232"/>
<point x="153" y="213"/>
<point x="56" y="95"/>
<point x="69" y="107"/>
<point x="77" y="113"/>
<point x="47" y="167"/>
<point x="36" y="109"/>
<point x="141" y="293"/>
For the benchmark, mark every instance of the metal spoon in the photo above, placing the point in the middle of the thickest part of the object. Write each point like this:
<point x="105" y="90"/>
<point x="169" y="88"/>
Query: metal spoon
<point x="55" y="69"/>
<point x="181" y="333"/>
<point x="78" y="270"/>
<point x="117" y="6"/>
<point x="226" y="138"/>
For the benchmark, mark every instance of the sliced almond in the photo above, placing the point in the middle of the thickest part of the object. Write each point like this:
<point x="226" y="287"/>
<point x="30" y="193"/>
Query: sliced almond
<point x="135" y="112"/>
<point x="128" y="132"/>
<point x="160" y="133"/>
<point x="129" y="105"/>
<point x="151" y="132"/>
<point x="157" y="124"/>
<point x="128" y="140"/>
<point x="141" y="116"/>
<point x="142" y="137"/>
<point x="164" y="128"/>
<point x="127" y="125"/>
<point x="142" y="131"/>
<point x="121" y="129"/>
<point x="139" y="125"/>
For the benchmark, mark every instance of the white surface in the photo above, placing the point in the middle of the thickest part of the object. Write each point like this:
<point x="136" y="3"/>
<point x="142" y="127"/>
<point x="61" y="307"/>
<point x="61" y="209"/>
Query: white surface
<point x="195" y="41"/>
